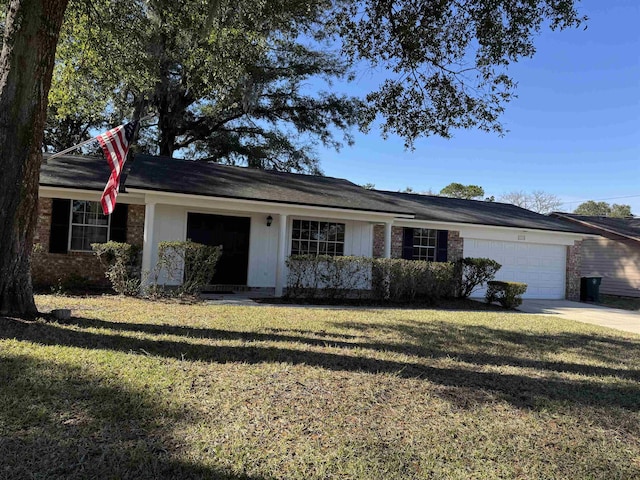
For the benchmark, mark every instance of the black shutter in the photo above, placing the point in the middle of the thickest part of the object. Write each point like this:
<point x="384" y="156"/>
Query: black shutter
<point x="407" y="243"/>
<point x="118" y="229"/>
<point x="441" y="245"/>
<point x="59" y="234"/>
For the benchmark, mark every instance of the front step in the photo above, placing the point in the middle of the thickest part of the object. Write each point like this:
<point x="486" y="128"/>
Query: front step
<point x="219" y="289"/>
<point x="225" y="288"/>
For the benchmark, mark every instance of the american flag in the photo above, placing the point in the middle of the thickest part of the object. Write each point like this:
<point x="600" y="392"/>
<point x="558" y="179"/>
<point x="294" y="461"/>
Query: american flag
<point x="115" y="145"/>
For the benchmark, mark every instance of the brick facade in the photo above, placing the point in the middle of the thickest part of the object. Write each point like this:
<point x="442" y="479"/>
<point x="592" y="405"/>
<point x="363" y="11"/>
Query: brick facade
<point x="135" y="225"/>
<point x="378" y="241"/>
<point x="454" y="243"/>
<point x="74" y="268"/>
<point x="574" y="264"/>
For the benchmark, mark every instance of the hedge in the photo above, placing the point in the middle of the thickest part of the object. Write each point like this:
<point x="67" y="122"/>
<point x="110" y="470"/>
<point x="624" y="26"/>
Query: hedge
<point x="506" y="294"/>
<point x="383" y="279"/>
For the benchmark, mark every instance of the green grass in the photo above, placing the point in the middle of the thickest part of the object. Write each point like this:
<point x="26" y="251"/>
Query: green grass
<point x="626" y="303"/>
<point x="136" y="389"/>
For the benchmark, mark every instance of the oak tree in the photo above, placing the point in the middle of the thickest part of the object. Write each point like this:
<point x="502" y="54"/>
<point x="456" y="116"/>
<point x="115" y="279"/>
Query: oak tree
<point x="458" y="190"/>
<point x="603" y="209"/>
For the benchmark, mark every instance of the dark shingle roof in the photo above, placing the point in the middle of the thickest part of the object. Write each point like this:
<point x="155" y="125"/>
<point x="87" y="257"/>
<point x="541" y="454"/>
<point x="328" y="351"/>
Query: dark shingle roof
<point x="627" y="227"/>
<point x="478" y="212"/>
<point x="198" y="178"/>
<point x="184" y="176"/>
<point x="87" y="173"/>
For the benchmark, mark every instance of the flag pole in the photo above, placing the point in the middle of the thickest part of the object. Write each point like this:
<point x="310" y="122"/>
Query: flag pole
<point x="91" y="140"/>
<point x="75" y="147"/>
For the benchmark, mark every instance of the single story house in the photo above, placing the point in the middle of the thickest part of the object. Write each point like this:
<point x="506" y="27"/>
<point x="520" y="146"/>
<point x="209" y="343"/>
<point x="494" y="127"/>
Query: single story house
<point x="614" y="255"/>
<point x="262" y="217"/>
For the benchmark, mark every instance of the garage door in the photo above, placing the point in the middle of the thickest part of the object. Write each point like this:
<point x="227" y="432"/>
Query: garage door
<point x="541" y="267"/>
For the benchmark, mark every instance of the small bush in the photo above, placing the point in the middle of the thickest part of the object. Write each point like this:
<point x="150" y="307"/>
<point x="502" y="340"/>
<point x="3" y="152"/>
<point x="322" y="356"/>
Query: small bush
<point x="121" y="262"/>
<point x="506" y="294"/>
<point x="473" y="272"/>
<point x="398" y="280"/>
<point x="335" y="278"/>
<point x="192" y="264"/>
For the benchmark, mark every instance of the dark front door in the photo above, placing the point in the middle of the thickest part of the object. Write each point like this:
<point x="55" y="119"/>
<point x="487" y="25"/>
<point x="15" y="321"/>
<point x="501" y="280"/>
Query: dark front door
<point x="230" y="232"/>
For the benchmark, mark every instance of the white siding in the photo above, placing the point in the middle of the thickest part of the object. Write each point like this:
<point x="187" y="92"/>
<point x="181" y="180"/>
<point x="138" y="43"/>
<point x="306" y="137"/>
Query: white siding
<point x="358" y="239"/>
<point x="169" y="226"/>
<point x="263" y="245"/>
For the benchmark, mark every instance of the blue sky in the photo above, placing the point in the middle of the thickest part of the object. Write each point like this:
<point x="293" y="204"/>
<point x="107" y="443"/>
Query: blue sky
<point x="574" y="129"/>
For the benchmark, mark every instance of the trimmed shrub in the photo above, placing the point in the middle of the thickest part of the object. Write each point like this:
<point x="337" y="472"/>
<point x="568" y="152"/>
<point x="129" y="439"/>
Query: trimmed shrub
<point x="192" y="264"/>
<point x="399" y="280"/>
<point x="473" y="272"/>
<point x="506" y="294"/>
<point x="122" y="267"/>
<point x="393" y="280"/>
<point x="315" y="276"/>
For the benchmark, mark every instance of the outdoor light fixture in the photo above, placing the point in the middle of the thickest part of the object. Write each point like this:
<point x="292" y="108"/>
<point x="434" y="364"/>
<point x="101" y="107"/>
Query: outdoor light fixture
<point x="269" y="220"/>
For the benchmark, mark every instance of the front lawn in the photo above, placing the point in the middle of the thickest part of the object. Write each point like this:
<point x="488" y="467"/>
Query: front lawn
<point x="135" y="389"/>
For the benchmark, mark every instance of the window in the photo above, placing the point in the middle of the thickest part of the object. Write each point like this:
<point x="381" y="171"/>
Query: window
<point x="88" y="225"/>
<point x="317" y="238"/>
<point x="424" y="244"/>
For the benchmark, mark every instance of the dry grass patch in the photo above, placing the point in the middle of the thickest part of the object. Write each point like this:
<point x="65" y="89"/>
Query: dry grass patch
<point x="135" y="389"/>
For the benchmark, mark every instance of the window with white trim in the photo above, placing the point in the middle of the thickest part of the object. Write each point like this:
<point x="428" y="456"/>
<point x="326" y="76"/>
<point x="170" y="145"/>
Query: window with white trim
<point x="88" y="225"/>
<point x="309" y="237"/>
<point x="424" y="244"/>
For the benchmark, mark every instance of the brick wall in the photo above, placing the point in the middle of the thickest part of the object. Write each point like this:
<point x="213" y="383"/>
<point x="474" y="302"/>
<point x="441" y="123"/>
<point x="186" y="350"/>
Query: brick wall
<point x="454" y="243"/>
<point x="53" y="269"/>
<point x="574" y="264"/>
<point x="135" y="225"/>
<point x="378" y="241"/>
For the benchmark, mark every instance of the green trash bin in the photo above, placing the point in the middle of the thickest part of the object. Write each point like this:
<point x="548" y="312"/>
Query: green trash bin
<point x="590" y="289"/>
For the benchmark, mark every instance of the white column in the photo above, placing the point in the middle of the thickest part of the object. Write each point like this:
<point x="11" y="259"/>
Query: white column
<point x="282" y="254"/>
<point x="147" y="243"/>
<point x="387" y="239"/>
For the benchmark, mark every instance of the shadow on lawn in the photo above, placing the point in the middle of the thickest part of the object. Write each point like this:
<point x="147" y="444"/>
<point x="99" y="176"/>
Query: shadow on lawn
<point x="61" y="422"/>
<point x="441" y="334"/>
<point x="433" y="341"/>
<point x="520" y="390"/>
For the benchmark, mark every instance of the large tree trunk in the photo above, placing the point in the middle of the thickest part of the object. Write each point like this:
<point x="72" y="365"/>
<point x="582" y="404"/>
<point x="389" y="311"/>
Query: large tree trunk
<point x="26" y="65"/>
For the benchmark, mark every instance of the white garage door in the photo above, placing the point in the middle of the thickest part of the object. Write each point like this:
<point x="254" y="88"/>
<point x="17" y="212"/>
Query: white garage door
<point x="541" y="267"/>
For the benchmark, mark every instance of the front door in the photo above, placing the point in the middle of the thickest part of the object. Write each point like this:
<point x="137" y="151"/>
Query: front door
<point x="232" y="233"/>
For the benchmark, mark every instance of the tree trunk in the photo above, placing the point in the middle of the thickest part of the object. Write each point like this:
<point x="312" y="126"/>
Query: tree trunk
<point x="26" y="66"/>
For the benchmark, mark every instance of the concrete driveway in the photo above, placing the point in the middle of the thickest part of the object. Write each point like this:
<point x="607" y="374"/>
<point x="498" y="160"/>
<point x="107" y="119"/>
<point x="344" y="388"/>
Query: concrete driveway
<point x="625" y="320"/>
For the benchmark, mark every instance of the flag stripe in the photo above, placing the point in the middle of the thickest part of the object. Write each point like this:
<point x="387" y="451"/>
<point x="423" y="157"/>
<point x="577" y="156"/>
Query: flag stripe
<point x="115" y="145"/>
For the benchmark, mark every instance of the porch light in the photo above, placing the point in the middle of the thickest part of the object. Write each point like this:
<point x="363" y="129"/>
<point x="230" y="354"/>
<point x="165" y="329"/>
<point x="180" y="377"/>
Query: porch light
<point x="269" y="220"/>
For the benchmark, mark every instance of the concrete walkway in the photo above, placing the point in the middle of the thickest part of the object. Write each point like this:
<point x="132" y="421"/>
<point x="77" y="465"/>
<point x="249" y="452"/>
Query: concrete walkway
<point x="624" y="320"/>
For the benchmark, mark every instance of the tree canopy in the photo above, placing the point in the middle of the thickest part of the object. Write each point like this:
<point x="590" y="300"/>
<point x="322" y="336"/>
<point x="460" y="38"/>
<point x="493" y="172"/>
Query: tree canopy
<point x="229" y="82"/>
<point x="227" y="85"/>
<point x="458" y="190"/>
<point x="604" y="209"/>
